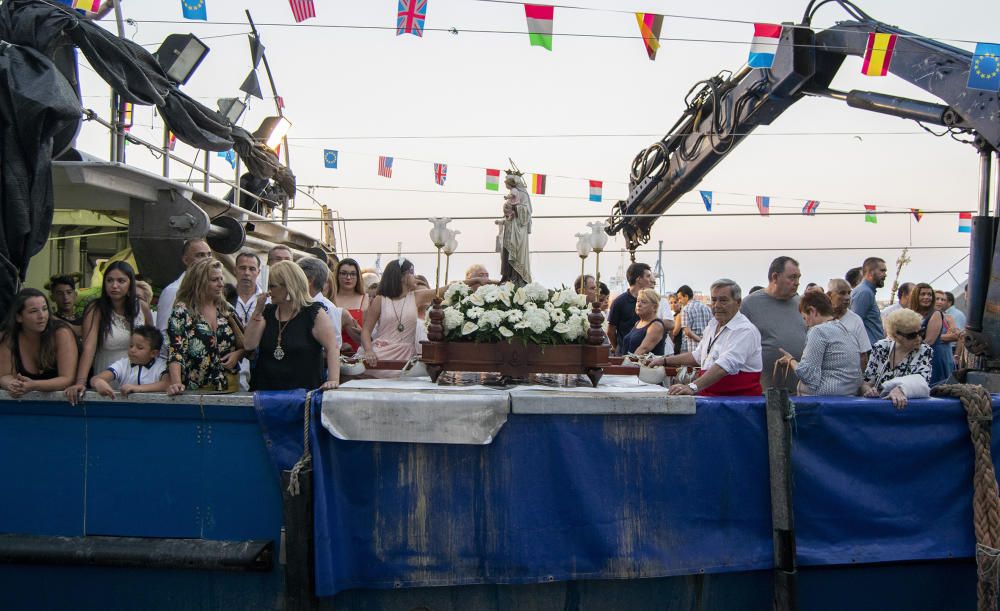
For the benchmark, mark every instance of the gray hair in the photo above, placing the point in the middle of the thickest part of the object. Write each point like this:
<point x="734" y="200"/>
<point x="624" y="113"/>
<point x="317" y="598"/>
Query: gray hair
<point x="734" y="288"/>
<point x="316" y="272"/>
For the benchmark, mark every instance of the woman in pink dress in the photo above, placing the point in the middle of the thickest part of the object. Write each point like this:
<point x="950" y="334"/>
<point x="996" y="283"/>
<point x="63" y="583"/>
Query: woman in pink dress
<point x="390" y="328"/>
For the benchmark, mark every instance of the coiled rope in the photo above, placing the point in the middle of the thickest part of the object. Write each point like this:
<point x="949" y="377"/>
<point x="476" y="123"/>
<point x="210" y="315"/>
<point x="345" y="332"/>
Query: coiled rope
<point x="985" y="498"/>
<point x="305" y="461"/>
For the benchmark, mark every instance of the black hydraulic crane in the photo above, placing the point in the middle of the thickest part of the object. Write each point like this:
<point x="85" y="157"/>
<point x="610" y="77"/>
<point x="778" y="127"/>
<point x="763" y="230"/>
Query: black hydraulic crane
<point x="724" y="109"/>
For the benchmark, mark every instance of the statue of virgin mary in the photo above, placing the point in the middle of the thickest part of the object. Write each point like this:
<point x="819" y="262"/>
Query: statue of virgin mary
<point x="514" y="230"/>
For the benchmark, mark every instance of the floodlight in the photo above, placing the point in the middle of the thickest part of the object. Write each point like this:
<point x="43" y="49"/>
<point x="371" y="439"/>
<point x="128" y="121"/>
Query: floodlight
<point x="272" y="130"/>
<point x="179" y="56"/>
<point x="231" y="108"/>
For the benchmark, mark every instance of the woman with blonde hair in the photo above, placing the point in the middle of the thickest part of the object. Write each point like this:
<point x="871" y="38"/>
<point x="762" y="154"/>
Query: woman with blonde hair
<point x="648" y="336"/>
<point x="290" y="335"/>
<point x="900" y="365"/>
<point x="204" y="352"/>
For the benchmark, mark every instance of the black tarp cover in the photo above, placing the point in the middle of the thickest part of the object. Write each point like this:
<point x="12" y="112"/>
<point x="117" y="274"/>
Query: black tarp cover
<point x="37" y="102"/>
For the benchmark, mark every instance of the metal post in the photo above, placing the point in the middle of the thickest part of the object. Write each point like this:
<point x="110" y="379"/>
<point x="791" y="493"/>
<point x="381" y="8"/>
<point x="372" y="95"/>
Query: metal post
<point x="996" y="211"/>
<point x="166" y="151"/>
<point x="779" y="457"/>
<point x="985" y="159"/>
<point x="236" y="190"/>
<point x="204" y="184"/>
<point x="118" y="138"/>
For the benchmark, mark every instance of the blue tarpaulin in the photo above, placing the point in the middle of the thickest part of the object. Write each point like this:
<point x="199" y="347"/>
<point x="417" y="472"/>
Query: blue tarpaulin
<point x="558" y="497"/>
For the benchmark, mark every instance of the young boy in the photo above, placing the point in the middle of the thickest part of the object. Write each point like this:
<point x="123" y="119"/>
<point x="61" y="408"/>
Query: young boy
<point x="141" y="371"/>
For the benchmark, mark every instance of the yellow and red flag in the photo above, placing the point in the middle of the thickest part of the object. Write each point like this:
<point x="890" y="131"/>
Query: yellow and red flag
<point x="878" y="54"/>
<point x="649" y="28"/>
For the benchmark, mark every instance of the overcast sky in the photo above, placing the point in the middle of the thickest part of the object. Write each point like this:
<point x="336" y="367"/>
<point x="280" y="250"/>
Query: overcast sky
<point x="472" y="100"/>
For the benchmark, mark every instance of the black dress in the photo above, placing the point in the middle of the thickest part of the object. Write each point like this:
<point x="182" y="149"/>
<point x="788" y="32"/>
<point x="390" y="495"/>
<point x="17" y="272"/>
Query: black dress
<point x="302" y="364"/>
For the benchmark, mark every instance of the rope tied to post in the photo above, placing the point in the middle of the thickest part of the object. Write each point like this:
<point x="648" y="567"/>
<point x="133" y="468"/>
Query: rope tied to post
<point x="985" y="498"/>
<point x="305" y="461"/>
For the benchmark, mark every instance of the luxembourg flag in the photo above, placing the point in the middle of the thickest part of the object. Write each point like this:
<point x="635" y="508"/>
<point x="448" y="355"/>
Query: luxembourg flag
<point x="596" y="186"/>
<point x="965" y="222"/>
<point x="765" y="41"/>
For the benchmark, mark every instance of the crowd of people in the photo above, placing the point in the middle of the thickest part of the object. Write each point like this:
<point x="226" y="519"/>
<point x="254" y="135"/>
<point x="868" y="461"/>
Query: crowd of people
<point x="290" y="332"/>
<point x="833" y="341"/>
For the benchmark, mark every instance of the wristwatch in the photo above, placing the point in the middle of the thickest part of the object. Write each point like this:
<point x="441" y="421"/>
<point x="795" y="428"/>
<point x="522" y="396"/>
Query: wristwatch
<point x="693" y="387"/>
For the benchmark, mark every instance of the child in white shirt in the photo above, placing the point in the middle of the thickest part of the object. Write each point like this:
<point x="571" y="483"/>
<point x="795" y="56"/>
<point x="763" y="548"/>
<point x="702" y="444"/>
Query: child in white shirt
<point x="141" y="371"/>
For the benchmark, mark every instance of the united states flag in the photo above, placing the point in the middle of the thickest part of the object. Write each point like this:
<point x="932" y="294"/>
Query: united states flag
<point x="302" y="9"/>
<point x="385" y="166"/>
<point x="763" y="205"/>
<point x="440" y="173"/>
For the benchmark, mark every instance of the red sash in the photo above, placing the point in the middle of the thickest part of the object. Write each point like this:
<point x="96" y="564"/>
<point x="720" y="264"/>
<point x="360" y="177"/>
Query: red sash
<point x="744" y="383"/>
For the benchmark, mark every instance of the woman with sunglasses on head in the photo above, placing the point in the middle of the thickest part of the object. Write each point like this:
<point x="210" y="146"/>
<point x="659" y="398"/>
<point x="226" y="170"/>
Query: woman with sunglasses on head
<point x="108" y="322"/>
<point x="934" y="332"/>
<point x="352" y="298"/>
<point x="390" y="329"/>
<point x="900" y="365"/>
<point x="290" y="335"/>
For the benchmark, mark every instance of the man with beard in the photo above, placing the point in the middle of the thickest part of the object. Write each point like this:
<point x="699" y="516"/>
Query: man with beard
<point x="839" y="292"/>
<point x="863" y="297"/>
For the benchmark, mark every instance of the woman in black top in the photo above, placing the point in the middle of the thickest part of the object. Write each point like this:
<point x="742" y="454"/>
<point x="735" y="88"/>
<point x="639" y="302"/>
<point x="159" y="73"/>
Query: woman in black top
<point x="290" y="336"/>
<point x="37" y="352"/>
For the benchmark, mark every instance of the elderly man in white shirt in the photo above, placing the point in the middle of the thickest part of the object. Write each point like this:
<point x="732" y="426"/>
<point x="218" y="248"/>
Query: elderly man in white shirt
<point x="729" y="353"/>
<point x="316" y="272"/>
<point x="839" y="292"/>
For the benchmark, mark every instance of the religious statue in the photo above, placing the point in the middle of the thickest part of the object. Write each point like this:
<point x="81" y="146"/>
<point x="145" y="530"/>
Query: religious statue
<point x="514" y="230"/>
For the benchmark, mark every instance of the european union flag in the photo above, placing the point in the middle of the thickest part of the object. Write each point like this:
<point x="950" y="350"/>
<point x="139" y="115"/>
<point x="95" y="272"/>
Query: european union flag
<point x="330" y="158"/>
<point x="194" y="9"/>
<point x="984" y="73"/>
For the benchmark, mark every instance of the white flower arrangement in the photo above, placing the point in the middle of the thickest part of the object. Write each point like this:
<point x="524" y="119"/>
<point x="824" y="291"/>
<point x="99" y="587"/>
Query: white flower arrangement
<point x="531" y="313"/>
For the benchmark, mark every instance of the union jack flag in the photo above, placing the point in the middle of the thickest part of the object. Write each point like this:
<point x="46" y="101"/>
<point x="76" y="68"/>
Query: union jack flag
<point x="385" y="166"/>
<point x="302" y="9"/>
<point x="810" y="208"/>
<point x="440" y="173"/>
<point x="410" y="17"/>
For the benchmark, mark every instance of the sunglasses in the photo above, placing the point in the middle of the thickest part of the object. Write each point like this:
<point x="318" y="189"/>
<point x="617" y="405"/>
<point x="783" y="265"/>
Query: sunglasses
<point x="912" y="335"/>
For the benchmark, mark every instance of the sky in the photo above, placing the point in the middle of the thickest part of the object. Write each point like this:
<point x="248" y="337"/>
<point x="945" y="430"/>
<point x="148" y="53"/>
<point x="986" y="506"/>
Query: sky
<point x="582" y="111"/>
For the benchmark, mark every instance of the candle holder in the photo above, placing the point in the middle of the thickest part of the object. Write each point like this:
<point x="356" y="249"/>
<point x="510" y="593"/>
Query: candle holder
<point x="439" y="236"/>
<point x="582" y="250"/>
<point x="598" y="240"/>
<point x="449" y="249"/>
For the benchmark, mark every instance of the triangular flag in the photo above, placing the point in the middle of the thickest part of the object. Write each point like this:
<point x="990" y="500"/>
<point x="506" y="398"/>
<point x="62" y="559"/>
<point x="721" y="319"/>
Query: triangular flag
<point x="492" y="180"/>
<point x="764" y="205"/>
<point x="229" y="156"/>
<point x="171" y="142"/>
<point x="596" y="190"/>
<point x="878" y="54"/>
<point x="917" y="213"/>
<point x="194" y="9"/>
<point x="539" y="24"/>
<point x="706" y="196"/>
<point x="538" y="184"/>
<point x="870" y="214"/>
<point x="256" y="50"/>
<point x="965" y="222"/>
<point x="810" y="208"/>
<point x="251" y="86"/>
<point x="280" y="101"/>
<point x="649" y="28"/>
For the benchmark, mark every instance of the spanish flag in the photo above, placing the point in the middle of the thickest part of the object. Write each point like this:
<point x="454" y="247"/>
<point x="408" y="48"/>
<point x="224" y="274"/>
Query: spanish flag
<point x="878" y="54"/>
<point x="538" y="184"/>
<point x="649" y="28"/>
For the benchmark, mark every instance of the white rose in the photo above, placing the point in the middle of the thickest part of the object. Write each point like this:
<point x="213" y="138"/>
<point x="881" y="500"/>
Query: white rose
<point x="456" y="292"/>
<point x="452" y="318"/>
<point x="489" y="292"/>
<point x="537" y="320"/>
<point x="469" y="327"/>
<point x="492" y="318"/>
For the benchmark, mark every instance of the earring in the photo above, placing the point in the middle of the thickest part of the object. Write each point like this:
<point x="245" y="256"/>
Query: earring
<point x="288" y="297"/>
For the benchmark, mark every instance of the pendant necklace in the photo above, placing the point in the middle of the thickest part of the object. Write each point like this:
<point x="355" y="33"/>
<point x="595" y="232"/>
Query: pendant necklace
<point x="279" y="352"/>
<point x="399" y="319"/>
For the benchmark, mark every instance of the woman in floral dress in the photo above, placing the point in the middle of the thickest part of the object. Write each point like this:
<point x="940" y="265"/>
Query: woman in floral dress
<point x="903" y="354"/>
<point x="203" y="352"/>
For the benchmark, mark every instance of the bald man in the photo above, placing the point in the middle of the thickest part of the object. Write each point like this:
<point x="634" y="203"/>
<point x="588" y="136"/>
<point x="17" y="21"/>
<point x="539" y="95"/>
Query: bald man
<point x="839" y="292"/>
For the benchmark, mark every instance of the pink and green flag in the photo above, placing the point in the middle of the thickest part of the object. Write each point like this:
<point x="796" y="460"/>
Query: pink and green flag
<point x="539" y="24"/>
<point x="492" y="180"/>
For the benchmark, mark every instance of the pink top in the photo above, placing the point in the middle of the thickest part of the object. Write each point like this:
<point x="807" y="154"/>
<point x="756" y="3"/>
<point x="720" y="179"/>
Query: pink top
<point x="388" y="342"/>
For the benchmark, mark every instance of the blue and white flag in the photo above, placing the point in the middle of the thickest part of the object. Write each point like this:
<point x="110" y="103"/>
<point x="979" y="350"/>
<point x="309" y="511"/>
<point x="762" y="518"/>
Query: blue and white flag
<point x="706" y="196"/>
<point x="229" y="156"/>
<point x="330" y="158"/>
<point x="195" y="9"/>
